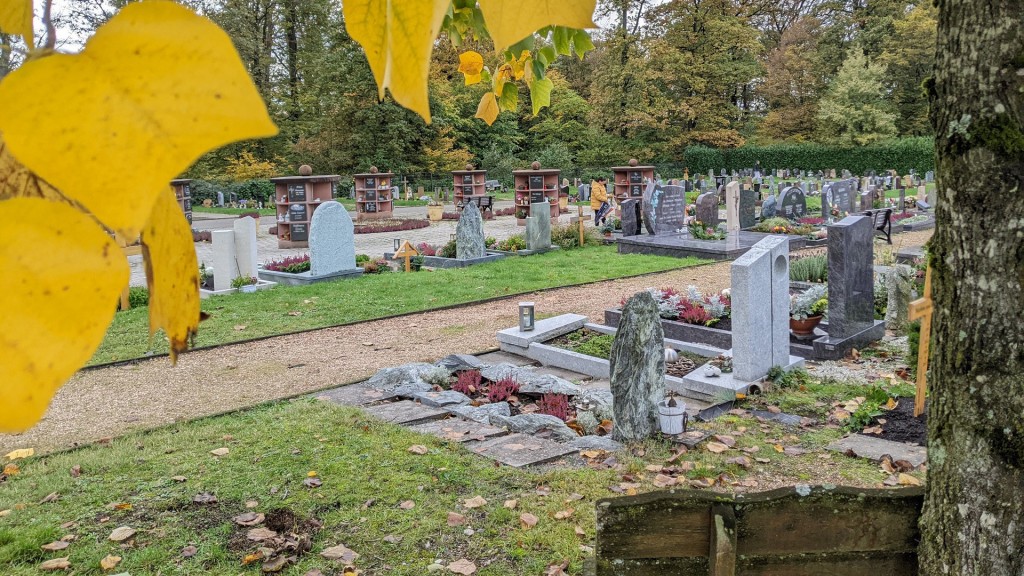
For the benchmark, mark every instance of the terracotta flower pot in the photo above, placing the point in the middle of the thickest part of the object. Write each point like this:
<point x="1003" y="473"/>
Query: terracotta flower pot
<point x="804" y="327"/>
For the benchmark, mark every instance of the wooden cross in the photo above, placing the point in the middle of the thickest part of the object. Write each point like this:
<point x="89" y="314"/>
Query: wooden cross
<point x="581" y="219"/>
<point x="407" y="252"/>
<point x="922" y="309"/>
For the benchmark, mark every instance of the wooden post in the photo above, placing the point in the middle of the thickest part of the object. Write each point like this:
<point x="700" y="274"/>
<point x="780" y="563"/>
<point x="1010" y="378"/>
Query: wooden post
<point x="922" y="309"/>
<point x="579" y="210"/>
<point x="722" y="556"/>
<point x="407" y="252"/>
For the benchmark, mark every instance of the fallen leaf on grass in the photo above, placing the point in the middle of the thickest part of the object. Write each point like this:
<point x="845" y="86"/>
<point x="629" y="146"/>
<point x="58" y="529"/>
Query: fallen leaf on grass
<point x="563" y="514"/>
<point x="340" y="552"/>
<point x="653" y="467"/>
<point x="556" y="569"/>
<point x="240" y="327"/>
<point x="220" y="451"/>
<point x="908" y="480"/>
<point x="55" y="546"/>
<point x="456" y="519"/>
<point x="11" y="470"/>
<point x="716" y="447"/>
<point x="741" y="461"/>
<point x="5" y="512"/>
<point x="462" y="566"/>
<point x="418" y="449"/>
<point x="663" y="481"/>
<point x="573" y="497"/>
<point x="295" y="313"/>
<point x="189" y="551"/>
<point x="204" y="498"/>
<point x="871" y="430"/>
<point x="591" y="454"/>
<point x="248" y="519"/>
<point x="251" y="503"/>
<point x="793" y="451"/>
<point x="178" y="478"/>
<point x="110" y="562"/>
<point x="76" y="471"/>
<point x="751" y="449"/>
<point x="762" y="460"/>
<point x="392" y="539"/>
<point x="527" y="520"/>
<point x="775" y="410"/>
<point x="475" y="502"/>
<point x="702" y="483"/>
<point x="121" y="533"/>
<point x="511" y="504"/>
<point x="727" y="440"/>
<point x="579" y="531"/>
<point x="56" y="564"/>
<point x="254" y="557"/>
<point x="260" y="534"/>
<point x="277" y="563"/>
<point x="737" y="412"/>
<point x="51" y="497"/>
<point x="21" y="453"/>
<point x="407" y="505"/>
<point x="312" y="482"/>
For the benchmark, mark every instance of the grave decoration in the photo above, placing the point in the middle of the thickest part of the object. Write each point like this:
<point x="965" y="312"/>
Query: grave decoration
<point x="332" y="253"/>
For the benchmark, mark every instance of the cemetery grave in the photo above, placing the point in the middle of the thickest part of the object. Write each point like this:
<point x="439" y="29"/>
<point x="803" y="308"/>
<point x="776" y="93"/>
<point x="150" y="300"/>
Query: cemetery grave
<point x="235" y="267"/>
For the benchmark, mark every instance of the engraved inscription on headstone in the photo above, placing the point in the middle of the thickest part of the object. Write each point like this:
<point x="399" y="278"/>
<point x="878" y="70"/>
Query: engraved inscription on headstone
<point x="664" y="209"/>
<point x="793" y="203"/>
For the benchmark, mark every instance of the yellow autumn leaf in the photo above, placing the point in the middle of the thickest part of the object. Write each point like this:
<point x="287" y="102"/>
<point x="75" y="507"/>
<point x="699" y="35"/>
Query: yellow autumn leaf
<point x="488" y="108"/>
<point x="471" y="64"/>
<point x="510" y="22"/>
<point x="398" y="38"/>
<point x="172" y="273"/>
<point x="155" y="88"/>
<point x="59" y="298"/>
<point x="20" y="453"/>
<point x="519" y="64"/>
<point x="16" y="18"/>
<point x="18" y="181"/>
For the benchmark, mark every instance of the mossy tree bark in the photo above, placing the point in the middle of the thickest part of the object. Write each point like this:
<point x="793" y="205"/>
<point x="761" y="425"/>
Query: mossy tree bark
<point x="973" y="520"/>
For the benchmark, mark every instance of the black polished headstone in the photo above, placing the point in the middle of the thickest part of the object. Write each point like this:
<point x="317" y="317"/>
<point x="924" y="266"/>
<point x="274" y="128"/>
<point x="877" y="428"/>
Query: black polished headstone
<point x="631" y="217"/>
<point x="707" y="210"/>
<point x="664" y="209"/>
<point x="851" y="301"/>
<point x="793" y="203"/>
<point x="748" y="201"/>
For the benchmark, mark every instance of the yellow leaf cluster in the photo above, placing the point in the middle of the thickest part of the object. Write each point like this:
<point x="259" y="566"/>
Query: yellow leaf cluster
<point x="16" y="18"/>
<point x="89" y="144"/>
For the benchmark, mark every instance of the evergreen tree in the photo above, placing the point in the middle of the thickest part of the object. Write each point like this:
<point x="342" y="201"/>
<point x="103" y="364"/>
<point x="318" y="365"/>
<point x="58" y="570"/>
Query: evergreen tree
<point x="854" y="111"/>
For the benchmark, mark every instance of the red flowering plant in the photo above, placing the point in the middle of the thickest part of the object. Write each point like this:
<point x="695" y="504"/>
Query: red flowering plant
<point x="691" y="307"/>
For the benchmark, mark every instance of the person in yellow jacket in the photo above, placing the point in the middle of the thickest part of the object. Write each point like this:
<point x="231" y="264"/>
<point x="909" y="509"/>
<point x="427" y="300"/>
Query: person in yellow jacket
<point x="599" y="201"/>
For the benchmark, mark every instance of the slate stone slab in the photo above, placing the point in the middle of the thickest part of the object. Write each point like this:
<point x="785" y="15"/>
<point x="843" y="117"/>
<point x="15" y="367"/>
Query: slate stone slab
<point x="405" y="412"/>
<point x="441" y="399"/>
<point x="354" y="395"/>
<point x="851" y="307"/>
<point x="538" y="227"/>
<point x="458" y="430"/>
<point x="469" y="234"/>
<point x="782" y="417"/>
<point x="520" y="450"/>
<point x="637" y="369"/>
<point x="331" y="243"/>
<point x="874" y="448"/>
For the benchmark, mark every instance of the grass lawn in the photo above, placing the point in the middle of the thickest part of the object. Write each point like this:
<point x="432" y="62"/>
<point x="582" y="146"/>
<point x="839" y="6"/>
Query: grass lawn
<point x="147" y="481"/>
<point x="375" y="296"/>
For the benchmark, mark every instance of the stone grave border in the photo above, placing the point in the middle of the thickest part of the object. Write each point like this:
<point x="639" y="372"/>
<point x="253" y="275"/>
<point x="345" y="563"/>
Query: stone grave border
<point x="439" y="262"/>
<point x="261" y="284"/>
<point x="305" y="278"/>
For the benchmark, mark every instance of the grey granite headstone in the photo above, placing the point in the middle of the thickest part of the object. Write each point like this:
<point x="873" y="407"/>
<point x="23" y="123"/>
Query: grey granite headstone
<point x="707" y="209"/>
<point x="903" y="200"/>
<point x="538" y="227"/>
<point x="929" y="176"/>
<point x="631" y="217"/>
<point x="851" y="303"/>
<point x="933" y="196"/>
<point x="769" y="207"/>
<point x="760" y="309"/>
<point x="865" y="200"/>
<point x="732" y="208"/>
<point x="748" y="202"/>
<point x="793" y="203"/>
<point x="827" y="201"/>
<point x="331" y="243"/>
<point x="637" y="370"/>
<point x="469" y="234"/>
<point x="220" y="199"/>
<point x="898" y="285"/>
<point x="664" y="209"/>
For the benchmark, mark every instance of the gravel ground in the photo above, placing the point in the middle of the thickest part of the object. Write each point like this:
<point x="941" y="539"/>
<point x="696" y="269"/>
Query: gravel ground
<point x="109" y="402"/>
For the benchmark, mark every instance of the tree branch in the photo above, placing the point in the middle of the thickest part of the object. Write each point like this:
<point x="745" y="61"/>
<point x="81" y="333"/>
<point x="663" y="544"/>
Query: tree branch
<point x="51" y="30"/>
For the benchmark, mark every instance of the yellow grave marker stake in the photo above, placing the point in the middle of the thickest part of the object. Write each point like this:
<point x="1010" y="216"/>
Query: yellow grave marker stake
<point x="407" y="252"/>
<point x="922" y="309"/>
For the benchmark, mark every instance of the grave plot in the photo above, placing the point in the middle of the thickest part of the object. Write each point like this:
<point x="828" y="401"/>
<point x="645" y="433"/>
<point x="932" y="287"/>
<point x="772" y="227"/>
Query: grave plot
<point x="234" y="262"/>
<point x="469" y="244"/>
<point x="332" y="253"/>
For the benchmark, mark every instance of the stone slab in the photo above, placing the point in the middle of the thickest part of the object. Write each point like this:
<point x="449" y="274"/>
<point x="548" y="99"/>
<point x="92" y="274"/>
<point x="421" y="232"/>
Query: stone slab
<point x="543" y="330"/>
<point x="874" y="448"/>
<point x="829" y="348"/>
<point x="501" y="357"/>
<point x="405" y="412"/>
<point x="303" y="278"/>
<point x="520" y="450"/>
<point x="563" y="373"/>
<point x="354" y="395"/>
<point x="458" y="430"/>
<point x="725" y="387"/>
<point x="683" y="246"/>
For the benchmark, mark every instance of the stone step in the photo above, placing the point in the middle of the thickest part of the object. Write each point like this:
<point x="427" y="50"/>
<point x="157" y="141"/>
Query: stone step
<point x="520" y="450"/>
<point x="405" y="412"/>
<point x="458" y="430"/>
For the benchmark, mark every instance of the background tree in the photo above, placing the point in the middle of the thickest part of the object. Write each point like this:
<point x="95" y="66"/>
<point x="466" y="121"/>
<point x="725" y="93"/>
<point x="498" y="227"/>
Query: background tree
<point x="909" y="57"/>
<point x="973" y="520"/>
<point x="794" y="83"/>
<point x="854" y="110"/>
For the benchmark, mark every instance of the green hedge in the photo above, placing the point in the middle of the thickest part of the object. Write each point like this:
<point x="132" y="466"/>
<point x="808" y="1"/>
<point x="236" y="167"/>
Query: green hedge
<point x="900" y="155"/>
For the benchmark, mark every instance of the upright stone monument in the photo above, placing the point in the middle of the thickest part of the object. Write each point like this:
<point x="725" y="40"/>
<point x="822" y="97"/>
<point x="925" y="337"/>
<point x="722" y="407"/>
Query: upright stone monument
<point x="748" y="203"/>
<point x="793" y="203"/>
<point x="707" y="209"/>
<point x="631" y="217"/>
<point x="866" y="198"/>
<point x="851" y="297"/>
<point x="769" y="207"/>
<point x="469" y="233"/>
<point x="225" y="268"/>
<point x="538" y="228"/>
<point x="664" y="209"/>
<point x="331" y="242"/>
<point x="732" y="208"/>
<point x="637" y="370"/>
<point x="245" y="247"/>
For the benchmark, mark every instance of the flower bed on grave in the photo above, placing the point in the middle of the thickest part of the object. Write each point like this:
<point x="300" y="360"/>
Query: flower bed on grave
<point x="389" y="225"/>
<point x="599" y="345"/>
<point x="689" y="316"/>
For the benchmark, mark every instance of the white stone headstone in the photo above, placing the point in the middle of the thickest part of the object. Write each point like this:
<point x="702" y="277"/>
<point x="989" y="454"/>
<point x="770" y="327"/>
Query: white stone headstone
<point x="732" y="208"/>
<point x="245" y="247"/>
<point x="224" y="267"/>
<point x="331" y="241"/>
<point x="760" y="309"/>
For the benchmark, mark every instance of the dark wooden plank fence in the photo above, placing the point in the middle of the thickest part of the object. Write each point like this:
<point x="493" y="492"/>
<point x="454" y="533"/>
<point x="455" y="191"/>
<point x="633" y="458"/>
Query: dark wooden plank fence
<point x="802" y="531"/>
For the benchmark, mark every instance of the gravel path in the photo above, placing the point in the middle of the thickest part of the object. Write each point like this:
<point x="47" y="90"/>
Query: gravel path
<point x="109" y="402"/>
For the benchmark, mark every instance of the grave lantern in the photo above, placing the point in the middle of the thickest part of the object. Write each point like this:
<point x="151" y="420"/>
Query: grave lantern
<point x="526" y="316"/>
<point x="398" y="244"/>
<point x="452" y="237"/>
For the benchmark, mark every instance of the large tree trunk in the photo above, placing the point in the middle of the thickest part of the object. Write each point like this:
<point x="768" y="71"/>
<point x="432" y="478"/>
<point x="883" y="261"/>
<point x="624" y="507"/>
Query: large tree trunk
<point x="973" y="519"/>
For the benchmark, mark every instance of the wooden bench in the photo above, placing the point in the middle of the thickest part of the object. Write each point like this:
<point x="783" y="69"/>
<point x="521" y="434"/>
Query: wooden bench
<point x="484" y="203"/>
<point x="882" y="223"/>
<point x="798" y="531"/>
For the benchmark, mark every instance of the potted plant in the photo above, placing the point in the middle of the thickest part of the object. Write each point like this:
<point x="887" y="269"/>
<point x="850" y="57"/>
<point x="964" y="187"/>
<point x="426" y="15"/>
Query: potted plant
<point x="416" y="262"/>
<point x="806" y="310"/>
<point x="435" y="210"/>
<point x="672" y="415"/>
<point x="607" y="228"/>
<point x="244" y="283"/>
<point x="521" y="216"/>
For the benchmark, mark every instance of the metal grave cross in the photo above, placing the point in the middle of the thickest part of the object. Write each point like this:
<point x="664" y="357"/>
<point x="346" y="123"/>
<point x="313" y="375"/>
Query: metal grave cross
<point x="922" y="309"/>
<point x="407" y="252"/>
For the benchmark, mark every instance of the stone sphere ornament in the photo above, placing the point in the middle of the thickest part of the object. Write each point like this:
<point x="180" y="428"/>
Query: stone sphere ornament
<point x="373" y="170"/>
<point x="535" y="165"/>
<point x="305" y="170"/>
<point x="633" y="162"/>
<point x="469" y="167"/>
